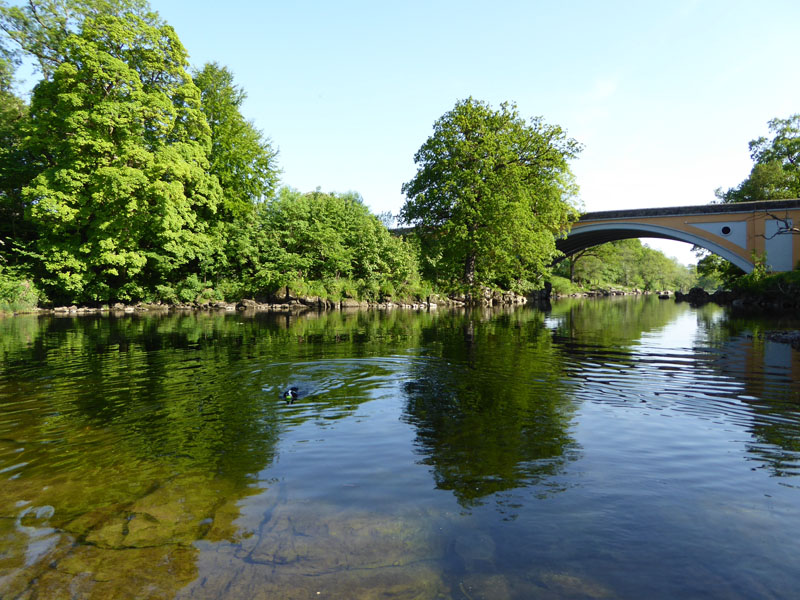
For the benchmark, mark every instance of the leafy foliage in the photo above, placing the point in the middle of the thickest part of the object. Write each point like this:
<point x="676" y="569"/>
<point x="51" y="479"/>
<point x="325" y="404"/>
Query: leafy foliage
<point x="775" y="286"/>
<point x="328" y="238"/>
<point x="17" y="293"/>
<point x="716" y="270"/>
<point x="241" y="158"/>
<point x="123" y="200"/>
<point x="244" y="163"/>
<point x="15" y="168"/>
<point x="490" y="193"/>
<point x="40" y="28"/>
<point x="776" y="170"/>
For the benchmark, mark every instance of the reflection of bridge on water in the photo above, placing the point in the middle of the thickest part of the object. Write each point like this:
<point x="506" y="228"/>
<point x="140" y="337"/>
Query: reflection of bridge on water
<point x="733" y="231"/>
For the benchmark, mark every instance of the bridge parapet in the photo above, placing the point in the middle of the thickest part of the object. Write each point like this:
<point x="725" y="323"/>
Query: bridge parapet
<point x="702" y="209"/>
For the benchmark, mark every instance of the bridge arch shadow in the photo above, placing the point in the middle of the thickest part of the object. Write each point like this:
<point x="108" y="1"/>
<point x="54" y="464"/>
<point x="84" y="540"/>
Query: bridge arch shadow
<point x="595" y="234"/>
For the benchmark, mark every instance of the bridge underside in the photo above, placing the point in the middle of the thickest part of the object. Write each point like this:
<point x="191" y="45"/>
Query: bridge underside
<point x="586" y="236"/>
<point x="577" y="242"/>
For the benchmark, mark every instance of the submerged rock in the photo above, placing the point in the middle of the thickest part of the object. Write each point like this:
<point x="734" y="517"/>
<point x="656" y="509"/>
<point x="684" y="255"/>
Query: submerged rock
<point x="784" y="337"/>
<point x="572" y="586"/>
<point x="144" y="547"/>
<point x="476" y="549"/>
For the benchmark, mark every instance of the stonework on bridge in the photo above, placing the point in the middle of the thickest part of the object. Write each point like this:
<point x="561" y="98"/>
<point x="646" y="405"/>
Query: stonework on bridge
<point x="733" y="231"/>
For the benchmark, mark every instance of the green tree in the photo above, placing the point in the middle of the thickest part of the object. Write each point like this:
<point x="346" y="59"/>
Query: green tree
<point x="322" y="244"/>
<point x="8" y="63"/>
<point x="241" y="157"/>
<point x="490" y="194"/>
<point x="572" y="261"/>
<point x="714" y="271"/>
<point x="40" y="28"/>
<point x="15" y="164"/>
<point x="244" y="163"/>
<point x="124" y="201"/>
<point x="776" y="170"/>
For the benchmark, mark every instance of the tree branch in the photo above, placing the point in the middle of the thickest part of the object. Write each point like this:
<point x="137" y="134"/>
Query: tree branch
<point x="787" y="228"/>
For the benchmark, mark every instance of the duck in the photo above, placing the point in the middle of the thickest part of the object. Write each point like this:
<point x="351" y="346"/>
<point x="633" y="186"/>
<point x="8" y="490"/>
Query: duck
<point x="290" y="395"/>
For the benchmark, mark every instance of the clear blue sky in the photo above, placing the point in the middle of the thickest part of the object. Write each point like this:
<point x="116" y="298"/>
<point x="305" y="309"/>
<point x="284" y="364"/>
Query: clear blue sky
<point x="664" y="95"/>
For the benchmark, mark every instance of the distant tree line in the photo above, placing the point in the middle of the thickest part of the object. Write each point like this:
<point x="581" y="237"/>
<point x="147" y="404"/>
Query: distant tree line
<point x="624" y="264"/>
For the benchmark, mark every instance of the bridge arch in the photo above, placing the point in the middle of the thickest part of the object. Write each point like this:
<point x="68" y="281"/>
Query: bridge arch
<point x="588" y="235"/>
<point x="733" y="231"/>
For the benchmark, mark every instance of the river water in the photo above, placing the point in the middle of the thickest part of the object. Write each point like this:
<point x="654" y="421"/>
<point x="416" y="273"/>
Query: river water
<point x="619" y="448"/>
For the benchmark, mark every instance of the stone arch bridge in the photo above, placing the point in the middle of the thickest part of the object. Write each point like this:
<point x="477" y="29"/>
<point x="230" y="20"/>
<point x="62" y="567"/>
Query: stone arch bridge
<point x="733" y="231"/>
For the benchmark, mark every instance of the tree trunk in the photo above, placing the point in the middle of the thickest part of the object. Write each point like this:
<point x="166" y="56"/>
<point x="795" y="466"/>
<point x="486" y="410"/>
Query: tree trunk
<point x="469" y="269"/>
<point x="469" y="263"/>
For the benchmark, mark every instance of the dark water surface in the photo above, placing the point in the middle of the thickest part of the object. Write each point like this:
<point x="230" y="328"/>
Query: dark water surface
<point x="632" y="448"/>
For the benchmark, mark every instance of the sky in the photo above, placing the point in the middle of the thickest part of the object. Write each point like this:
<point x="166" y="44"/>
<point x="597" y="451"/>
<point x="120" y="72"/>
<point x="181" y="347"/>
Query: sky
<point x="664" y="96"/>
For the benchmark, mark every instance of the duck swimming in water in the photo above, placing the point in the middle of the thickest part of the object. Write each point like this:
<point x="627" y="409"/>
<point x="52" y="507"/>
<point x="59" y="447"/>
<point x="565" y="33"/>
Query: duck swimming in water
<point x="290" y="395"/>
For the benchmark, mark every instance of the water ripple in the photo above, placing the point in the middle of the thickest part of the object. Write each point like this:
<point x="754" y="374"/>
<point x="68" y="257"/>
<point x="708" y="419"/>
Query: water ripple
<point x="694" y="381"/>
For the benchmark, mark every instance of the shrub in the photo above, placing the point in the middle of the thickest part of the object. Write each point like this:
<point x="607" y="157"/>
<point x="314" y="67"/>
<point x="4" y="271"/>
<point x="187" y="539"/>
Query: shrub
<point x="17" y="293"/>
<point x="563" y="286"/>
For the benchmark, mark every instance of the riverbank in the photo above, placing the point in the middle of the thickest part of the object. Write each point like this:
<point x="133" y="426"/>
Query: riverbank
<point x="604" y="293"/>
<point x="290" y="303"/>
<point x="763" y="301"/>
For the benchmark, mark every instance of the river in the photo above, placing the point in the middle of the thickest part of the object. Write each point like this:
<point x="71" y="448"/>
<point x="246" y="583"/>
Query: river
<point x="615" y="448"/>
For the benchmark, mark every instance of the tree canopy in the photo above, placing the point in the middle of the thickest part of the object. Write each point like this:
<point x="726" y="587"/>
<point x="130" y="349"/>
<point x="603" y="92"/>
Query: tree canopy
<point x="776" y="170"/>
<point x="331" y="240"/>
<point x="40" y="28"/>
<point x="110" y="181"/>
<point x="13" y="158"/>
<point x="241" y="157"/>
<point x="124" y="198"/>
<point x="491" y="193"/>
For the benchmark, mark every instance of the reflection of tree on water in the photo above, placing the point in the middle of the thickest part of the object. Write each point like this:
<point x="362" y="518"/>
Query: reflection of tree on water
<point x="764" y="376"/>
<point x="769" y="375"/>
<point x="616" y="322"/>
<point x="490" y="411"/>
<point x="185" y="388"/>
